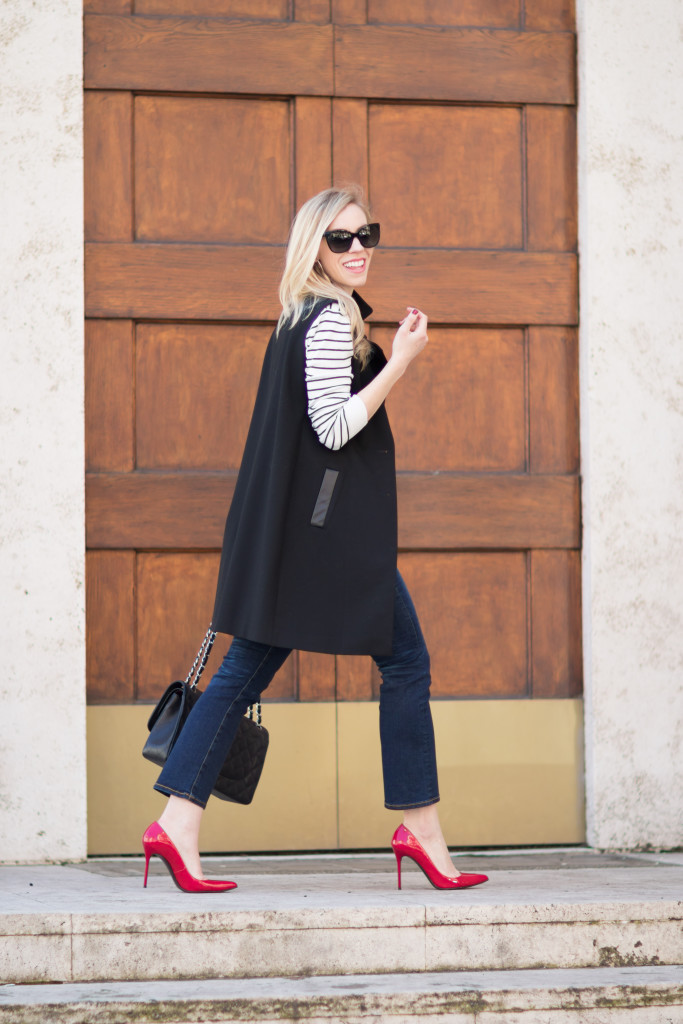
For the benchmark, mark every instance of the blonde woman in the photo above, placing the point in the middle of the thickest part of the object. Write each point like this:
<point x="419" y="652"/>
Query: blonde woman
<point x="309" y="552"/>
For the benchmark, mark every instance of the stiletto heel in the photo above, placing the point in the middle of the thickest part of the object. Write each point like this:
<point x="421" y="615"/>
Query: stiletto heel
<point x="404" y="844"/>
<point x="398" y="865"/>
<point x="155" y="842"/>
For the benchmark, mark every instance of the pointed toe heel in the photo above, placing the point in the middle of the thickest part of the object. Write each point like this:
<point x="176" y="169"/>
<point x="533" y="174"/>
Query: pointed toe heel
<point x="404" y="844"/>
<point x="156" y="843"/>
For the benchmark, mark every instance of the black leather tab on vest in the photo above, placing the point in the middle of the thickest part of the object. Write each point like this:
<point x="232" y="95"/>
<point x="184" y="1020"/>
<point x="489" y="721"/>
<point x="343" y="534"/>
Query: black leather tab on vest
<point x="324" y="497"/>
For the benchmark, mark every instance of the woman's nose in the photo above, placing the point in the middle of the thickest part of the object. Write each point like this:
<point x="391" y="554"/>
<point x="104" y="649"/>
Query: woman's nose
<point x="355" y="246"/>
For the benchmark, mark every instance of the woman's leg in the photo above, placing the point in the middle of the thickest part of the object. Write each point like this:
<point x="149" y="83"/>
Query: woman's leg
<point x="192" y="768"/>
<point x="407" y="733"/>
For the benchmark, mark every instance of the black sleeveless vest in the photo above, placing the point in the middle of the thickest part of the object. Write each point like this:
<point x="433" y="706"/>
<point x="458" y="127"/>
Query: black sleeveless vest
<point x="309" y="550"/>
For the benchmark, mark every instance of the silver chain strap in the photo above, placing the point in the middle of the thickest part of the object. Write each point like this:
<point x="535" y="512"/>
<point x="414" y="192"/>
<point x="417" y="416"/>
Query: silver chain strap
<point x="202" y="657"/>
<point x="250" y="709"/>
<point x="201" y="660"/>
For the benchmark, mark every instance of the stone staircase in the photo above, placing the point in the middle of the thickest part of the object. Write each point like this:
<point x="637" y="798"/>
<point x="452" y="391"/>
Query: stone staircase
<point x="554" y="937"/>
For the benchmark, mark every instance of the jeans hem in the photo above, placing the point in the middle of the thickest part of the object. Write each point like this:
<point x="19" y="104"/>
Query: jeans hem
<point x="409" y="807"/>
<point x="167" y="791"/>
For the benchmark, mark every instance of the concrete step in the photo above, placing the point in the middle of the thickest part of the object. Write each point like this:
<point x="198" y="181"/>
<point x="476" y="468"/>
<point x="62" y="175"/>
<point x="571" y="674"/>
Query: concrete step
<point x="630" y="995"/>
<point x="94" y="922"/>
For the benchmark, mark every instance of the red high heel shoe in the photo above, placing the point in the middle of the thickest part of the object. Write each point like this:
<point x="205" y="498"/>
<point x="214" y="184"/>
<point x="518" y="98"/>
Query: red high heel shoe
<point x="156" y="842"/>
<point x="404" y="844"/>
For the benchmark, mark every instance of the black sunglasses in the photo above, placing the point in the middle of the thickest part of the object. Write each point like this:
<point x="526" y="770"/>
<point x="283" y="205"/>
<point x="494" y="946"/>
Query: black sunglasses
<point x="341" y="241"/>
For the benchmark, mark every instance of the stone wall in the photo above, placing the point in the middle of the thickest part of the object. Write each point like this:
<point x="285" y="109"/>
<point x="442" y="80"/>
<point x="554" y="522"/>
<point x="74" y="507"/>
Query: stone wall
<point x="631" y="342"/>
<point x="42" y="596"/>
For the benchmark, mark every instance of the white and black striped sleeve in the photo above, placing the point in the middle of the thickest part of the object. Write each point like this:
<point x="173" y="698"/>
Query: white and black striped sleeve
<point x="335" y="414"/>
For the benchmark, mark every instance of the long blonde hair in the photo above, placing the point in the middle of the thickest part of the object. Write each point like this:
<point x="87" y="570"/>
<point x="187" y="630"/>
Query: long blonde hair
<point x="304" y="279"/>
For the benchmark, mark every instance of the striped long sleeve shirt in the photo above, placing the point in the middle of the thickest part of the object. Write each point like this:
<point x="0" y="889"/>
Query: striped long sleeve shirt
<point x="336" y="414"/>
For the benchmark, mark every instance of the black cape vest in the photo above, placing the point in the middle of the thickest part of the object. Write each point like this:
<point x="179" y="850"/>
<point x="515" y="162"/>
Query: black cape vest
<point x="309" y="550"/>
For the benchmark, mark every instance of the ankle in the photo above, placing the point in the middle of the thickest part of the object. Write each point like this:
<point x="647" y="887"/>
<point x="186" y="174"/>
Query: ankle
<point x="181" y="818"/>
<point x="423" y="826"/>
<point x="424" y="832"/>
<point x="176" y="828"/>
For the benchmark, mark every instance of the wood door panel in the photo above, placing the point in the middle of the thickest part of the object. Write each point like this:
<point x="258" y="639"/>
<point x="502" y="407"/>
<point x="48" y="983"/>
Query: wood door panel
<point x="553" y="400"/>
<point x="556" y="624"/>
<point x="313" y="141"/>
<point x="195" y="391"/>
<point x="211" y="170"/>
<point x="478" y="511"/>
<point x="109" y="412"/>
<point x="268" y="10"/>
<point x="208" y="55"/>
<point x="350" y="141"/>
<point x="459" y="64"/>
<point x="316" y="676"/>
<point x="108" y="167"/>
<point x="473" y="613"/>
<point x="476" y="418"/>
<point x="357" y="678"/>
<point x="107" y="6"/>
<point x="183" y="282"/>
<point x="349" y="12"/>
<point x="110" y="626"/>
<point x="157" y="510"/>
<point x="220" y="282"/>
<point x="551" y="178"/>
<point x="286" y="58"/>
<point x="317" y="11"/>
<point x="353" y="677"/>
<point x="476" y="287"/>
<point x="477" y="205"/>
<point x="492" y="13"/>
<point x="175" y="594"/>
<point x="436" y="511"/>
<point x="550" y="15"/>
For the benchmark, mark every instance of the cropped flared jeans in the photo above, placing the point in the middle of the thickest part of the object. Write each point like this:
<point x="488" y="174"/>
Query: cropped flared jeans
<point x="405" y="720"/>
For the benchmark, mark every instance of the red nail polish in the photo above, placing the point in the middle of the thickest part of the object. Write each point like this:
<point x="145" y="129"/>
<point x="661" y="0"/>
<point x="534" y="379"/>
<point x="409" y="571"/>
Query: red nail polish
<point x="415" y="311"/>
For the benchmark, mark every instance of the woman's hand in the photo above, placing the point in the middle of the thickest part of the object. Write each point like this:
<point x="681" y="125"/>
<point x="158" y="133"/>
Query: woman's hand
<point x="410" y="338"/>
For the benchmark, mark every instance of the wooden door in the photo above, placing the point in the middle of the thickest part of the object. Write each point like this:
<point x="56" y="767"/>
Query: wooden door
<point x="208" y="122"/>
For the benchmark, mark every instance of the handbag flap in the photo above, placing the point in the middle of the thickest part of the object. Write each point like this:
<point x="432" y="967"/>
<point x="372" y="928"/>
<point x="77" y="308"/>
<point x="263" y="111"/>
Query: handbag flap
<point x="173" y="695"/>
<point x="167" y="720"/>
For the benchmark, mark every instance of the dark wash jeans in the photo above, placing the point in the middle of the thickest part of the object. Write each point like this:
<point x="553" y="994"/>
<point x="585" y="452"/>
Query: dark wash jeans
<point x="405" y="720"/>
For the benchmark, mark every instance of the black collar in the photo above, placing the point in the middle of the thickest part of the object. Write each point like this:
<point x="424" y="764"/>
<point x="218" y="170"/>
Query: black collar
<point x="365" y="310"/>
<point x="320" y="301"/>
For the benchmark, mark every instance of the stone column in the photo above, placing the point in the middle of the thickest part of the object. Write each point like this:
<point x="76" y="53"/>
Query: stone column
<point x="42" y="597"/>
<point x="631" y="344"/>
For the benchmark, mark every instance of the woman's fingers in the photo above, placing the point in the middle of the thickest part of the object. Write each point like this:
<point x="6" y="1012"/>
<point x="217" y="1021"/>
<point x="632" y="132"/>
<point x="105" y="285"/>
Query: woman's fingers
<point x="417" y="317"/>
<point x="413" y="315"/>
<point x="421" y="322"/>
<point x="417" y="322"/>
<point x="411" y="336"/>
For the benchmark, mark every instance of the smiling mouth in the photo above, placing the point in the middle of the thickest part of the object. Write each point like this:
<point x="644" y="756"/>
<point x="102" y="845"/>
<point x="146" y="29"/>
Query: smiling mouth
<point x="354" y="265"/>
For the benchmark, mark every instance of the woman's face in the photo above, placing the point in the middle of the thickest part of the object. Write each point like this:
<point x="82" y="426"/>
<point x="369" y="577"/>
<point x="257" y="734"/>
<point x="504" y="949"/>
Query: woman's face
<point x="347" y="269"/>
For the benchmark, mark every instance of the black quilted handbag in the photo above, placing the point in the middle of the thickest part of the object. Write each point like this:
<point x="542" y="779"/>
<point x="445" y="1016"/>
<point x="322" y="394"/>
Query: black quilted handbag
<point x="242" y="768"/>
